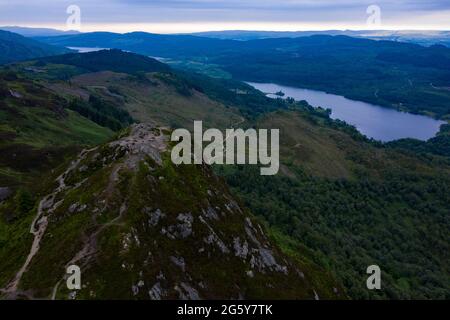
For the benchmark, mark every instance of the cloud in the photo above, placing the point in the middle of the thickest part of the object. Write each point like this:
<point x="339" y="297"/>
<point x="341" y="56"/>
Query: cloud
<point x="297" y="12"/>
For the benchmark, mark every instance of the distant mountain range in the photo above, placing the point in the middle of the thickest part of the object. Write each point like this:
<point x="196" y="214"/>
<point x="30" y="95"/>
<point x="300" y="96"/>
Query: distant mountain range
<point x="14" y="47"/>
<point x="358" y="68"/>
<point x="37" y="32"/>
<point x="423" y="37"/>
<point x="337" y="64"/>
<point x="140" y="227"/>
<point x="168" y="46"/>
<point x="414" y="36"/>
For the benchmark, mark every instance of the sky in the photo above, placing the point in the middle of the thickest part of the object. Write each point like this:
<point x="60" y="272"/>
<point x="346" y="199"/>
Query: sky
<point x="178" y="16"/>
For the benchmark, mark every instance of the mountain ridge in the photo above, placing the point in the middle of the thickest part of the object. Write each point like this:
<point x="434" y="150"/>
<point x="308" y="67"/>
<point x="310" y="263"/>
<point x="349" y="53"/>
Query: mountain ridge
<point x="15" y="47"/>
<point x="36" y="32"/>
<point x="405" y="76"/>
<point x="169" y="232"/>
<point x="337" y="192"/>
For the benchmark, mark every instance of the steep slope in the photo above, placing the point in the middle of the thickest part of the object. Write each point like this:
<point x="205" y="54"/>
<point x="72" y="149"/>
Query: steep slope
<point x="50" y="110"/>
<point x="340" y="200"/>
<point x="14" y="47"/>
<point x="38" y="133"/>
<point x="37" y="129"/>
<point x="142" y="228"/>
<point x="132" y="86"/>
<point x="353" y="203"/>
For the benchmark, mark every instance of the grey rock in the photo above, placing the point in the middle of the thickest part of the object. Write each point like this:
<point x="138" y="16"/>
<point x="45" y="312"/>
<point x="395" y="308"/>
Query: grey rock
<point x="161" y="276"/>
<point x="213" y="238"/>
<point x="156" y="292"/>
<point x="263" y="259"/>
<point x="240" y="250"/>
<point x="186" y="292"/>
<point x="179" y="262"/>
<point x="73" y="207"/>
<point x="267" y="258"/>
<point x="186" y="224"/>
<point x="183" y="229"/>
<point x="155" y="217"/>
<point x="5" y="192"/>
<point x="316" y="296"/>
<point x="210" y="213"/>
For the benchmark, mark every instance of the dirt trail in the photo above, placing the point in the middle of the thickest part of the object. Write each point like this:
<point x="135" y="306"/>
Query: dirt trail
<point x="39" y="225"/>
<point x="136" y="143"/>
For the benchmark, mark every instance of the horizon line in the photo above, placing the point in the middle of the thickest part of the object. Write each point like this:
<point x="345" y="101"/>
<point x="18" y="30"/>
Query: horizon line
<point x="131" y="30"/>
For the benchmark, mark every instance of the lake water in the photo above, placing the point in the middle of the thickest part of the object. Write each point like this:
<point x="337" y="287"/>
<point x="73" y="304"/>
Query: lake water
<point x="374" y="121"/>
<point x="87" y="49"/>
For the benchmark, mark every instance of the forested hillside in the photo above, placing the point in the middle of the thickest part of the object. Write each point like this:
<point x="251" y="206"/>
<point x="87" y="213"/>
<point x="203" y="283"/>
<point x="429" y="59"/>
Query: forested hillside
<point x="398" y="75"/>
<point x="341" y="202"/>
<point x="14" y="47"/>
<point x="350" y="204"/>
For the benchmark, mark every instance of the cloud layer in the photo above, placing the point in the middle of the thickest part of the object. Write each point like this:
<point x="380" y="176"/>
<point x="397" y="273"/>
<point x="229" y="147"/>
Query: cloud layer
<point x="230" y="14"/>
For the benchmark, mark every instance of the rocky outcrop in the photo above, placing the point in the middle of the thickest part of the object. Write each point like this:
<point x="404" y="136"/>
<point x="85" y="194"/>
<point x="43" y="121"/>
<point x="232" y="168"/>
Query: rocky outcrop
<point x="141" y="227"/>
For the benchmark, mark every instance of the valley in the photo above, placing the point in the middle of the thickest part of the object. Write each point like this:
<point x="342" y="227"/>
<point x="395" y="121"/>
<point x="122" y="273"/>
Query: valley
<point x="352" y="67"/>
<point x="144" y="228"/>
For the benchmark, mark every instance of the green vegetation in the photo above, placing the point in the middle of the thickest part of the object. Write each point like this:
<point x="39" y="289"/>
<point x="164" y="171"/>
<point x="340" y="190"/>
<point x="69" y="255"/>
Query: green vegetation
<point x="353" y="203"/>
<point x="382" y="73"/>
<point x="101" y="112"/>
<point x="112" y="212"/>
<point x="14" y="47"/>
<point x="111" y="60"/>
<point x="439" y="145"/>
<point x="397" y="75"/>
<point x="341" y="202"/>
<point x="164" y="98"/>
<point x="249" y="101"/>
<point x="37" y="133"/>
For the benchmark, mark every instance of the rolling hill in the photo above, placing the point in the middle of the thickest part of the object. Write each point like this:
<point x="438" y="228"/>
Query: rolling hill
<point x="398" y="75"/>
<point x="36" y="32"/>
<point x="340" y="203"/>
<point x="422" y="37"/>
<point x="14" y="47"/>
<point x="195" y="208"/>
<point x="143" y="228"/>
<point x="352" y="203"/>
<point x="108" y="60"/>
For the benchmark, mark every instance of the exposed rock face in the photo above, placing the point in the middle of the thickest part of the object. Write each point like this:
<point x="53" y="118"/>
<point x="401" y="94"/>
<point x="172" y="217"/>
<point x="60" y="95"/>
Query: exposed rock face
<point x="140" y="227"/>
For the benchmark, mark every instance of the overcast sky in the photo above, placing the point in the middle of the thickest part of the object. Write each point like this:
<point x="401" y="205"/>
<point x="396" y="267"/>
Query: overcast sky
<point x="168" y="16"/>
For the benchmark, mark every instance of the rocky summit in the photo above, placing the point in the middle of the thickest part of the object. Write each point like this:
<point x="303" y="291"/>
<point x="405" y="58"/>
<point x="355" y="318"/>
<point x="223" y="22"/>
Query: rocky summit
<point x="140" y="227"/>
